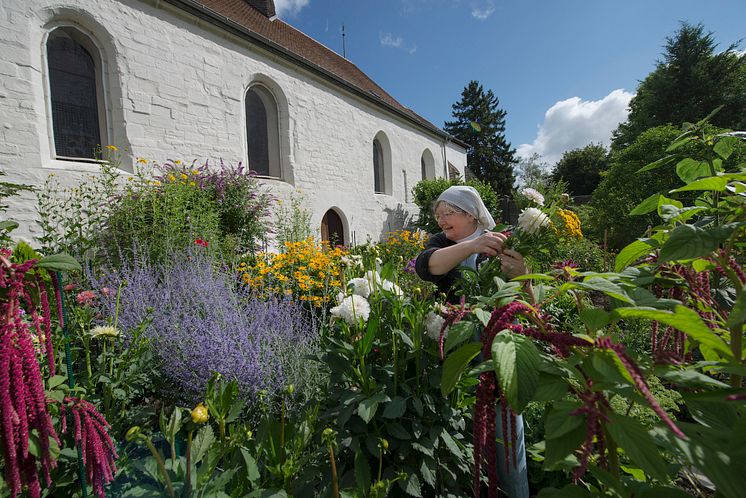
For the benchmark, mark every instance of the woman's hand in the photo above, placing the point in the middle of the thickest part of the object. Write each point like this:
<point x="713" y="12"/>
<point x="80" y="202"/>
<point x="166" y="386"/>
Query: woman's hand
<point x="513" y="264"/>
<point x="489" y="243"/>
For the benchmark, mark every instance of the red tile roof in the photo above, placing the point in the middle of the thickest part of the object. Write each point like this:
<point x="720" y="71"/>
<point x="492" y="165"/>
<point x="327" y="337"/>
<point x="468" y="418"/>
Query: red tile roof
<point x="277" y="35"/>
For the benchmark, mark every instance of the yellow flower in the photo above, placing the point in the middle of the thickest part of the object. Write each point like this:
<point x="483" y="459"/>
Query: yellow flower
<point x="192" y="184"/>
<point x="183" y="176"/>
<point x="571" y="223"/>
<point x="200" y="414"/>
<point x="177" y="162"/>
<point x="171" y="178"/>
<point x="112" y="148"/>
<point x="195" y="172"/>
<point x="142" y="160"/>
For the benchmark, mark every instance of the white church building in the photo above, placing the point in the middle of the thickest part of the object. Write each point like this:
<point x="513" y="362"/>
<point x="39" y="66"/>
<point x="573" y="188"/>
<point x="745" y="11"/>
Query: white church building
<point x="208" y="80"/>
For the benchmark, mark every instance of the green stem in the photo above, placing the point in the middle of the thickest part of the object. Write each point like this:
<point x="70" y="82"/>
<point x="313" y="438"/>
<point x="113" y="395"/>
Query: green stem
<point x="282" y="432"/>
<point x="380" y="463"/>
<point x="736" y="346"/>
<point x="335" y="479"/>
<point x="396" y="371"/>
<point x="188" y="478"/>
<point x="161" y="466"/>
<point x="613" y="459"/>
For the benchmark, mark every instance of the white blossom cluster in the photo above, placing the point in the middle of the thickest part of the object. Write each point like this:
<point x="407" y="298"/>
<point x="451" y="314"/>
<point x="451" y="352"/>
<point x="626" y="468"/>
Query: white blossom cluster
<point x="351" y="309"/>
<point x="532" y="219"/>
<point x="533" y="195"/>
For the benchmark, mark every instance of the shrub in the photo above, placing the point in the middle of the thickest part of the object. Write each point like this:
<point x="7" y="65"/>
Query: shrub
<point x="427" y="191"/>
<point x="200" y="325"/>
<point x="224" y="210"/>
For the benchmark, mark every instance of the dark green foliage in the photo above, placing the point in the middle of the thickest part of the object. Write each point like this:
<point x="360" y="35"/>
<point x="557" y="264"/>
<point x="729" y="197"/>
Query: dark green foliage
<point x="691" y="81"/>
<point x="427" y="191"/>
<point x="622" y="189"/>
<point x="481" y="124"/>
<point x="581" y="168"/>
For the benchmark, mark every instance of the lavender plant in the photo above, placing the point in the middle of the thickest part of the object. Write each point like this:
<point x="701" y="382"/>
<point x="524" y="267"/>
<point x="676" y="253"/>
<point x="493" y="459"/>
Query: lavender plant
<point x="200" y="324"/>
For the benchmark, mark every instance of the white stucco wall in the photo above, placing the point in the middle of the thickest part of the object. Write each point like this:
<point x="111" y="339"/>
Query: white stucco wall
<point x="175" y="87"/>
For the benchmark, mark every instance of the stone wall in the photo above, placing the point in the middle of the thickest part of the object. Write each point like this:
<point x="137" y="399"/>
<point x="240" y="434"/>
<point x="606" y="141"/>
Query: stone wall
<point x="174" y="89"/>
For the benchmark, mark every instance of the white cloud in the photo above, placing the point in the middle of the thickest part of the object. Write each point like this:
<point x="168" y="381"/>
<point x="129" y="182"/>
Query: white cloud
<point x="290" y="7"/>
<point x="482" y="10"/>
<point x="574" y="123"/>
<point x="391" y="41"/>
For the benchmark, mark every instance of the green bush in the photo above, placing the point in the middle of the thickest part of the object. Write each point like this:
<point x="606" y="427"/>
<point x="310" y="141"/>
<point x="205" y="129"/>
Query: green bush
<point x="427" y="191"/>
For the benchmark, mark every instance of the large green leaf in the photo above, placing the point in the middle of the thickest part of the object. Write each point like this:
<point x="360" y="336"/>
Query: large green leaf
<point x="455" y="365"/>
<point x="368" y="407"/>
<point x="716" y="183"/>
<point x="371" y="330"/>
<point x="689" y="241"/>
<point x="631" y="253"/>
<point x="725" y="146"/>
<point x="516" y="360"/>
<point x="738" y="313"/>
<point x="606" y="286"/>
<point x="564" y="432"/>
<point x="632" y="436"/>
<point x="683" y="319"/>
<point x="59" y="262"/>
<point x="459" y="332"/>
<point x="647" y="206"/>
<point x="362" y="470"/>
<point x="395" y="408"/>
<point x="690" y="169"/>
<point x="595" y="318"/>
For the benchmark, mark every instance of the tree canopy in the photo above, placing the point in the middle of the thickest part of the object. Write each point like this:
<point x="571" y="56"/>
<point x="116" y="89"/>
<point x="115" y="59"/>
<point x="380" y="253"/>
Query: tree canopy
<point x="581" y="168"/>
<point x="480" y="123"/>
<point x="689" y="83"/>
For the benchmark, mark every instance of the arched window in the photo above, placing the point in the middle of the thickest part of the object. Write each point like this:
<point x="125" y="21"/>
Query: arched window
<point x="262" y="133"/>
<point x="75" y="94"/>
<point x="378" y="167"/>
<point x="427" y="165"/>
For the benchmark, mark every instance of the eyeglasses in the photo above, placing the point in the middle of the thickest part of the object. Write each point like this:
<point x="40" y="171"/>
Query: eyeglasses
<point x="445" y="214"/>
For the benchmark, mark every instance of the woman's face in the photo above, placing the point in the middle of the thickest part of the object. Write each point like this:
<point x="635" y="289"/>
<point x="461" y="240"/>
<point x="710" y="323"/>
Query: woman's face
<point x="455" y="223"/>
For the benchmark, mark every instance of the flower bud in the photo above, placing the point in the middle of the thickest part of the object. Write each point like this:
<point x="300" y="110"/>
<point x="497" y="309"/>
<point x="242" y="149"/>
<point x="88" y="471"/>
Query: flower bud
<point x="200" y="414"/>
<point x="565" y="198"/>
<point x="416" y="291"/>
<point x="132" y="434"/>
<point x="290" y="389"/>
<point x="383" y="443"/>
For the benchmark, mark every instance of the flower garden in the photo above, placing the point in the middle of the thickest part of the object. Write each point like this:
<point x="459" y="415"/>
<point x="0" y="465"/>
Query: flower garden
<point x="150" y="347"/>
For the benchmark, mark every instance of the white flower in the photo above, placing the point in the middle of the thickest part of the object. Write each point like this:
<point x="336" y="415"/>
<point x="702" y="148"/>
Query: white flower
<point x="104" y="331"/>
<point x="534" y="195"/>
<point x="360" y="286"/>
<point x="351" y="309"/>
<point x="433" y="323"/>
<point x="373" y="278"/>
<point x="532" y="219"/>
<point x="390" y="286"/>
<point x="352" y="261"/>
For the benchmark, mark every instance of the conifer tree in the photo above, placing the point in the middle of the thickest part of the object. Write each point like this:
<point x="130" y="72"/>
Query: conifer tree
<point x="481" y="124"/>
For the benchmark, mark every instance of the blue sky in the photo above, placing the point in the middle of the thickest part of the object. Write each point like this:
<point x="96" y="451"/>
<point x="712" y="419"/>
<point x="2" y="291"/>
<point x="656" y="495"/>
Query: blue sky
<point x="564" y="70"/>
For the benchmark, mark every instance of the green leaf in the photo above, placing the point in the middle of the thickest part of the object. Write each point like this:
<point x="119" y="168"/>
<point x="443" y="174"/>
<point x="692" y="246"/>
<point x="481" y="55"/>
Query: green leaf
<point x="738" y="313"/>
<point x="647" y="206"/>
<point x="251" y="467"/>
<point x="8" y="225"/>
<point x="395" y="408"/>
<point x="458" y="333"/>
<point x="427" y="470"/>
<point x="516" y="361"/>
<point x="725" y="146"/>
<point x="683" y="319"/>
<point x="595" y="318"/>
<point x="664" y="161"/>
<point x="405" y="339"/>
<point x="59" y="262"/>
<point x="569" y="491"/>
<point x="413" y="487"/>
<point x="689" y="241"/>
<point x="665" y="201"/>
<point x="690" y="169"/>
<point x="482" y="315"/>
<point x="716" y="183"/>
<point x="606" y="286"/>
<point x="56" y="381"/>
<point x="362" y="470"/>
<point x="451" y="444"/>
<point x="368" y="407"/>
<point x="398" y="431"/>
<point x="632" y="436"/>
<point x="691" y="379"/>
<point x="455" y="364"/>
<point x="631" y="253"/>
<point x="202" y="442"/>
<point x="370" y="334"/>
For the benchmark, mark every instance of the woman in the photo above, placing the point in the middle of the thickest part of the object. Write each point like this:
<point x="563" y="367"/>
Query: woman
<point x="465" y="238"/>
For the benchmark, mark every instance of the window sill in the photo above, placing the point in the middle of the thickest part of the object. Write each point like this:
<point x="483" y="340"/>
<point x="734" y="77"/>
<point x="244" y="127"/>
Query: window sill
<point x="78" y="166"/>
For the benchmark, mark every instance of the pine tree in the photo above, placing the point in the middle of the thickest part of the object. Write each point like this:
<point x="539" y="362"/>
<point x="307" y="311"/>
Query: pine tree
<point x="481" y="124"/>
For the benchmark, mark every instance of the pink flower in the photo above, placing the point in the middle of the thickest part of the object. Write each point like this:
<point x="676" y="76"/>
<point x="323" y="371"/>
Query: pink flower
<point x="70" y="287"/>
<point x="85" y="298"/>
<point x="105" y="291"/>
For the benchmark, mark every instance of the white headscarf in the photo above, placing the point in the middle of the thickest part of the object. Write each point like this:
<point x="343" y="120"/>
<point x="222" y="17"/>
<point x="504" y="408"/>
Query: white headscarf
<point x="468" y="199"/>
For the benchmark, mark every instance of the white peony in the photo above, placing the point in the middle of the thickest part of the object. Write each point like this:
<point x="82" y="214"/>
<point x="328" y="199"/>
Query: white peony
<point x="360" y="286"/>
<point x="351" y="309"/>
<point x="532" y="219"/>
<point x="104" y="331"/>
<point x="533" y="195"/>
<point x="433" y="323"/>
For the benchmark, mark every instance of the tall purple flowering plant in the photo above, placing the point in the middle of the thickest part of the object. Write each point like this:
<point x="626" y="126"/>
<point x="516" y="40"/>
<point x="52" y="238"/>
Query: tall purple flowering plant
<point x="200" y="322"/>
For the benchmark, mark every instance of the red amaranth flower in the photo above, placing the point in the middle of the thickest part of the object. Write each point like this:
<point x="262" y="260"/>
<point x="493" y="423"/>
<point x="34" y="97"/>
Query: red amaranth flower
<point x="639" y="380"/>
<point x="97" y="447"/>
<point x="201" y="242"/>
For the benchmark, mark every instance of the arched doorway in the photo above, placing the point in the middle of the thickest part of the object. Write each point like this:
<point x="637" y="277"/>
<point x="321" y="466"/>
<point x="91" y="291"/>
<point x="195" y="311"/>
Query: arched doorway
<point x="332" y="228"/>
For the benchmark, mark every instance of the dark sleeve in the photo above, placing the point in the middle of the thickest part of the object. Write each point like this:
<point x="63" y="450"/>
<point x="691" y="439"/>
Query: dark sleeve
<point x="422" y="264"/>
